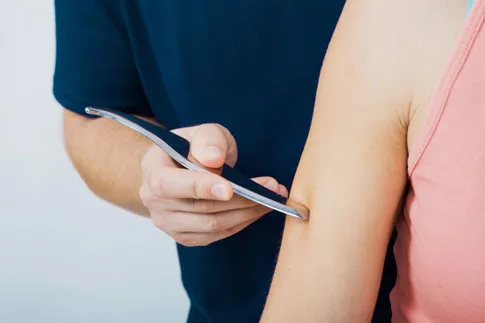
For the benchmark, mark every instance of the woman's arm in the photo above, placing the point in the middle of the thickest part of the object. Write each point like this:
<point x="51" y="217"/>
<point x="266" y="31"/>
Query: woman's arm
<point x="352" y="173"/>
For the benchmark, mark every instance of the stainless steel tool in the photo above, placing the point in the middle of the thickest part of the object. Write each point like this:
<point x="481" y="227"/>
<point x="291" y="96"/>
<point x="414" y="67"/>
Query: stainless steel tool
<point x="178" y="148"/>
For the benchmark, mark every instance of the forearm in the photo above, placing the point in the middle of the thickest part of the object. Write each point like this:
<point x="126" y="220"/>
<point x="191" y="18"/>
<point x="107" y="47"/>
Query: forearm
<point x="107" y="156"/>
<point x="326" y="274"/>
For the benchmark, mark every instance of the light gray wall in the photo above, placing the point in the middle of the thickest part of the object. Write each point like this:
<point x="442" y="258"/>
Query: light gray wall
<point x="65" y="256"/>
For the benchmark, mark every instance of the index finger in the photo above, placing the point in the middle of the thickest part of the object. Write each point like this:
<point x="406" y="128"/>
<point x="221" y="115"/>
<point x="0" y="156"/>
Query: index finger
<point x="214" y="206"/>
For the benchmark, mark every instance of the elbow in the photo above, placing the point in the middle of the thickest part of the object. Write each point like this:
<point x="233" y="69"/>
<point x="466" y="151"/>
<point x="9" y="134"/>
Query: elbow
<point x="73" y="126"/>
<point x="85" y="171"/>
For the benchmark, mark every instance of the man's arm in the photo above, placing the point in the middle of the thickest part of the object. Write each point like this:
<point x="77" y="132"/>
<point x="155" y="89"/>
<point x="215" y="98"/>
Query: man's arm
<point x="352" y="175"/>
<point x="117" y="164"/>
<point x="124" y="168"/>
<point x="107" y="155"/>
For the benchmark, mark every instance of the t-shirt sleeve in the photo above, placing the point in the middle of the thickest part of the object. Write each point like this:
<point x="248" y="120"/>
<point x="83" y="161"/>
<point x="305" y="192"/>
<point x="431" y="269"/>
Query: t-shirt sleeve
<point x="94" y="63"/>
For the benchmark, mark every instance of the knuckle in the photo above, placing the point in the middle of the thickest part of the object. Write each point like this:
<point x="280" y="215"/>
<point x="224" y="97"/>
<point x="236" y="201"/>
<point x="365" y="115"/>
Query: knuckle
<point x="150" y="156"/>
<point x="159" y="221"/>
<point x="201" y="189"/>
<point x="222" y="133"/>
<point x="212" y="223"/>
<point x="212" y="131"/>
<point x="155" y="185"/>
<point x="195" y="190"/>
<point x="204" y="243"/>
<point x="152" y="182"/>
<point x="213" y="126"/>
<point x="259" y="211"/>
<point x="180" y="239"/>
<point x="186" y="241"/>
<point x="263" y="211"/>
<point x="229" y="232"/>
<point x="201" y="206"/>
<point x="145" y="161"/>
<point x="219" y="127"/>
<point x="146" y="196"/>
<point x="230" y="144"/>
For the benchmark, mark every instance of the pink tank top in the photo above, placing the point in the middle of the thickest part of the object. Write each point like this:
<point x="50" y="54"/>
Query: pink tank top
<point x="440" y="250"/>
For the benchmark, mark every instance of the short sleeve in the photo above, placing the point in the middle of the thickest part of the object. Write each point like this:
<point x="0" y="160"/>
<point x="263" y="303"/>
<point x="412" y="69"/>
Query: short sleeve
<point x="94" y="62"/>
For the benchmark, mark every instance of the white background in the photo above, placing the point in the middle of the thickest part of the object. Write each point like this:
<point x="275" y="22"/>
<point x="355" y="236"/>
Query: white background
<point x="65" y="256"/>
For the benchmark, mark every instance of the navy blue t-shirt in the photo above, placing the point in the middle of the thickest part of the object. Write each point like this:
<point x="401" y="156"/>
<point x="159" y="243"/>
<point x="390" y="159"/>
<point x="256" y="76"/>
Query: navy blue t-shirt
<point x="249" y="65"/>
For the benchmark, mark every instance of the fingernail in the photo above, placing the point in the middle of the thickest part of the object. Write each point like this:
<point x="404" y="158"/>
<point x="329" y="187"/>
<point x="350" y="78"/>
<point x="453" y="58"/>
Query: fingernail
<point x="272" y="184"/>
<point x="212" y="152"/>
<point x="219" y="191"/>
<point x="283" y="191"/>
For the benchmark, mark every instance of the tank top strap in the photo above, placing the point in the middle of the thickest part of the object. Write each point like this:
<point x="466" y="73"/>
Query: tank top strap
<point x="440" y="97"/>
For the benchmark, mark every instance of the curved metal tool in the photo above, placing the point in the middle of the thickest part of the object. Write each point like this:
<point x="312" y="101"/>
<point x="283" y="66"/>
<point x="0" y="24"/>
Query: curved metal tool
<point x="178" y="148"/>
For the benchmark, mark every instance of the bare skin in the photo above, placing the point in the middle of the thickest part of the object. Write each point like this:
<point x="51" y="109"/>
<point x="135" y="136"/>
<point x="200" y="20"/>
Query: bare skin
<point x="127" y="170"/>
<point x="382" y="66"/>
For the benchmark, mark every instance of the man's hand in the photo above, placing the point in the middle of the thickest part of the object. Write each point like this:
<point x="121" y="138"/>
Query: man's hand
<point x="198" y="208"/>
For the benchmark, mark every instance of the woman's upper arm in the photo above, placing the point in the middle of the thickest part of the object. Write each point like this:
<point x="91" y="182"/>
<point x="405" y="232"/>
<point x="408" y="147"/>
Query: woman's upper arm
<point x="352" y="175"/>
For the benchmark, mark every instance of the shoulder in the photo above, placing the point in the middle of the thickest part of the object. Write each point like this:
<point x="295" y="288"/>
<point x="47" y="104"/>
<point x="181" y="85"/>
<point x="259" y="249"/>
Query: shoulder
<point x="368" y="65"/>
<point x="94" y="62"/>
<point x="392" y="49"/>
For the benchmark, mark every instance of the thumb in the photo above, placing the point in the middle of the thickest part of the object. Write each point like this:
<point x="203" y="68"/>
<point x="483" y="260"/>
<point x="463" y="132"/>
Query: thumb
<point x="212" y="145"/>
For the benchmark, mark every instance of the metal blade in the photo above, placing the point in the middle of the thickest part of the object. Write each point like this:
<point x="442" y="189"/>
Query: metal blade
<point x="178" y="148"/>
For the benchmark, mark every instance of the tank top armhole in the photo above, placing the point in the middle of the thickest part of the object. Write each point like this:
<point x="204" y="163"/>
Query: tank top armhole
<point x="439" y="99"/>
<point x="470" y="5"/>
